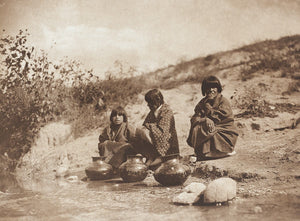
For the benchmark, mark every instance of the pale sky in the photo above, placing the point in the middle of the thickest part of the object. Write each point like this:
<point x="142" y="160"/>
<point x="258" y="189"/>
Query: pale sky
<point x="148" y="34"/>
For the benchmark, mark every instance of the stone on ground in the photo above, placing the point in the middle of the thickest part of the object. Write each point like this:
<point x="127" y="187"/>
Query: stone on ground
<point x="191" y="194"/>
<point x="220" y="190"/>
<point x="194" y="187"/>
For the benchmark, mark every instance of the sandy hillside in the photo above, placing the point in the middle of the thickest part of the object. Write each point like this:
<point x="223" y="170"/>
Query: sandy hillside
<point x="257" y="76"/>
<point x="262" y="151"/>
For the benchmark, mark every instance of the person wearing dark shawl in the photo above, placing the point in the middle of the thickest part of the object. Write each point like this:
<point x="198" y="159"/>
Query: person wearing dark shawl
<point x="114" y="141"/>
<point x="158" y="137"/>
<point x="212" y="133"/>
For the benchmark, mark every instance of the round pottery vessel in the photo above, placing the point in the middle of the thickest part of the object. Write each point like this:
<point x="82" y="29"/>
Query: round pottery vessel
<point x="134" y="169"/>
<point x="172" y="172"/>
<point x="99" y="170"/>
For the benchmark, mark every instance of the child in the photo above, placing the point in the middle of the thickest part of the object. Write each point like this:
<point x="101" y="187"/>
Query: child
<point x="159" y="125"/>
<point x="114" y="141"/>
<point x="212" y="133"/>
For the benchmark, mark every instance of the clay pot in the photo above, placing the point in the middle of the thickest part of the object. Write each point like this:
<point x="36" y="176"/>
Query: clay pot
<point x="99" y="170"/>
<point x="134" y="169"/>
<point x="172" y="172"/>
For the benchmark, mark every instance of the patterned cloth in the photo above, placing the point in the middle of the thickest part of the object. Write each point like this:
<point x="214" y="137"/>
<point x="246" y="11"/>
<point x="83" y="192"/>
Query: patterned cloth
<point x="223" y="138"/>
<point x="162" y="131"/>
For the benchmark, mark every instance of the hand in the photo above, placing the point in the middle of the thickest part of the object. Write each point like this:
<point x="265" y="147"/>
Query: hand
<point x="157" y="161"/>
<point x="210" y="125"/>
<point x="147" y="125"/>
<point x="195" y="120"/>
<point x="208" y="106"/>
<point x="147" y="135"/>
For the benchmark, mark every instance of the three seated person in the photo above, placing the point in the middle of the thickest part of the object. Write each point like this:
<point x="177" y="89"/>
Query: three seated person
<point x="212" y="132"/>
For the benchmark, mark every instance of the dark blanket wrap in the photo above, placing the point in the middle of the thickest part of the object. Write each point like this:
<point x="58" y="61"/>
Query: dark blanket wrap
<point x="223" y="138"/>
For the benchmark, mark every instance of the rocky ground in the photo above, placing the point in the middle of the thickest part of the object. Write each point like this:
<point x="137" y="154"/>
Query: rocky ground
<point x="268" y="149"/>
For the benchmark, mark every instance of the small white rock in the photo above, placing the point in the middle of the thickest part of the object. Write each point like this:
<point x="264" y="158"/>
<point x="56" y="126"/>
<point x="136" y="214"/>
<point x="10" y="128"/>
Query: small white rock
<point x="195" y="187"/>
<point x="257" y="209"/>
<point x="193" y="159"/>
<point x="186" y="198"/>
<point x="72" y="179"/>
<point x="191" y="194"/>
<point x="61" y="171"/>
<point x="220" y="190"/>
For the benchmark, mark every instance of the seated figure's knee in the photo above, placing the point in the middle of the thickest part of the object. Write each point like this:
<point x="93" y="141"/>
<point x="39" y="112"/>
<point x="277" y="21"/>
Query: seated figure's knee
<point x="101" y="149"/>
<point x="143" y="134"/>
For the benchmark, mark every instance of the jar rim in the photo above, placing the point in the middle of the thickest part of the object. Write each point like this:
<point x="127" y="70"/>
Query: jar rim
<point x="134" y="156"/>
<point x="98" y="158"/>
<point x="171" y="156"/>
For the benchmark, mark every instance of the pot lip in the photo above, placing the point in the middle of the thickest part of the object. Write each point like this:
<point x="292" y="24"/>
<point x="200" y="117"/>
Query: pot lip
<point x="135" y="156"/>
<point x="171" y="156"/>
<point x="98" y="158"/>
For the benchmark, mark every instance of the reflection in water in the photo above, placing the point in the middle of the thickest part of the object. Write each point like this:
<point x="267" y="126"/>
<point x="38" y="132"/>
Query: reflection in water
<point x="8" y="182"/>
<point x="115" y="200"/>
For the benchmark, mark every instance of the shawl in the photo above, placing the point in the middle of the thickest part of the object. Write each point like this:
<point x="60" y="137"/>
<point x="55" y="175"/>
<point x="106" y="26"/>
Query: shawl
<point x="162" y="130"/>
<point x="220" y="111"/>
<point x="224" y="137"/>
<point x="124" y="134"/>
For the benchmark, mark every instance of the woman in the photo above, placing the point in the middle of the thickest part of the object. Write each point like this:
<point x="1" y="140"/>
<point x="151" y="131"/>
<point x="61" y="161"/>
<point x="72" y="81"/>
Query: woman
<point x="159" y="133"/>
<point x="212" y="133"/>
<point x="114" y="139"/>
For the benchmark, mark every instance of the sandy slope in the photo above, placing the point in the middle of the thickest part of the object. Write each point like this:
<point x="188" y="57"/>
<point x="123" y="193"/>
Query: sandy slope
<point x="264" y="160"/>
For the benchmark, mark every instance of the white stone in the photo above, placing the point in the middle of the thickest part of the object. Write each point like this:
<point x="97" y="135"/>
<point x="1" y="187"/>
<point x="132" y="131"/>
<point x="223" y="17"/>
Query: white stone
<point x="186" y="198"/>
<point x="72" y="179"/>
<point x="61" y="171"/>
<point x="195" y="187"/>
<point x="220" y="190"/>
<point x="257" y="209"/>
<point x="190" y="195"/>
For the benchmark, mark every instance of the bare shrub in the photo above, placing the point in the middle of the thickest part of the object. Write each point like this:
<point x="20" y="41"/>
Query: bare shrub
<point x="255" y="126"/>
<point x="252" y="104"/>
<point x="121" y="70"/>
<point x="26" y="80"/>
<point x="33" y="92"/>
<point x="120" y="91"/>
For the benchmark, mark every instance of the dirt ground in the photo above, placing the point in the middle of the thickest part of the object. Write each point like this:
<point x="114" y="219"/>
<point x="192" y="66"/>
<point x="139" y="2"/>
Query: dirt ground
<point x="267" y="159"/>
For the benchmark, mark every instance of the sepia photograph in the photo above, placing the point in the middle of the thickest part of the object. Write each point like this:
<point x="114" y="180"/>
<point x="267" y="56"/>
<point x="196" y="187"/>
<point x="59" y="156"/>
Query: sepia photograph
<point x="149" y="110"/>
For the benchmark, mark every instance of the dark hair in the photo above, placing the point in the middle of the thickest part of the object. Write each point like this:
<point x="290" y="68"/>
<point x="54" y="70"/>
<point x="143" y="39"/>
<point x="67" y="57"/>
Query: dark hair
<point x="209" y="82"/>
<point x="118" y="111"/>
<point x="155" y="97"/>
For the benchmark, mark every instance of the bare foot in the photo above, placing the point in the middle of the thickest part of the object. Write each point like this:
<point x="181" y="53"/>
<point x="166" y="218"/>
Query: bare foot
<point x="157" y="161"/>
<point x="232" y="153"/>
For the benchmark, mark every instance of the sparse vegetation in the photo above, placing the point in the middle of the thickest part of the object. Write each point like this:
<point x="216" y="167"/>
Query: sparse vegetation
<point x="269" y="56"/>
<point x="255" y="126"/>
<point x="35" y="91"/>
<point x="28" y="94"/>
<point x="253" y="104"/>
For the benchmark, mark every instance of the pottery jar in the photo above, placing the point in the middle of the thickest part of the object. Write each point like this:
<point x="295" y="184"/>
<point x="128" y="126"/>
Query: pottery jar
<point x="134" y="169"/>
<point x="99" y="170"/>
<point x="172" y="172"/>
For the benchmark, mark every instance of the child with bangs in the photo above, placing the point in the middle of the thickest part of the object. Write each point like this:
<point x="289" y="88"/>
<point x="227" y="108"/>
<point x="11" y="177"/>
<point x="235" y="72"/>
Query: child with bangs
<point x="212" y="133"/>
<point x="115" y="140"/>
